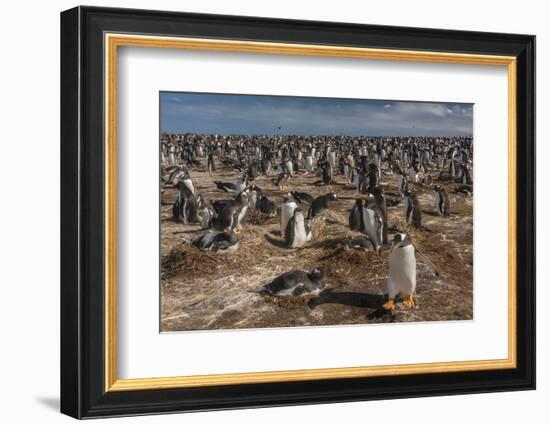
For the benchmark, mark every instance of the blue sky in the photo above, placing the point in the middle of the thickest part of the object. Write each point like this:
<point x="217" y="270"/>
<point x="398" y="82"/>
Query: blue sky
<point x="250" y="114"/>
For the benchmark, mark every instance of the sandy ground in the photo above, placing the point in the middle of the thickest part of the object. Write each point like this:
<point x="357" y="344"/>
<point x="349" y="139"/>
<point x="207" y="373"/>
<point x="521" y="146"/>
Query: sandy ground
<point x="204" y="290"/>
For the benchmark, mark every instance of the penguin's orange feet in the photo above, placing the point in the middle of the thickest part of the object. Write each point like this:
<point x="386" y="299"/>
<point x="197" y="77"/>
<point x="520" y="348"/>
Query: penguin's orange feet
<point x="408" y="301"/>
<point x="390" y="305"/>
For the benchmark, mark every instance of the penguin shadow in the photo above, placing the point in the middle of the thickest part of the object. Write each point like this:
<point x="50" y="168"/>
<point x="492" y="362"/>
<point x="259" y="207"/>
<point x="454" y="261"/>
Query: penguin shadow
<point x="279" y="243"/>
<point x="351" y="299"/>
<point x="431" y="213"/>
<point x="331" y="243"/>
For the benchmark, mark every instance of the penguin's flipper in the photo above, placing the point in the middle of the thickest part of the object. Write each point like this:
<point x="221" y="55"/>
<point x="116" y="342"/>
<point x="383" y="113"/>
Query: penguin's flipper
<point x="299" y="290"/>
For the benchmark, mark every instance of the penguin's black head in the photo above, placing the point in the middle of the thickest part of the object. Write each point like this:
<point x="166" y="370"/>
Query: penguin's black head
<point x="400" y="240"/>
<point x="332" y="196"/>
<point x="317" y="274"/>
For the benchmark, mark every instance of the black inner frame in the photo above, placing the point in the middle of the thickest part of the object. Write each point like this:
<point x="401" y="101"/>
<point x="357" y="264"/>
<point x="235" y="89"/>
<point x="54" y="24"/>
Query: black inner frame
<point x="82" y="212"/>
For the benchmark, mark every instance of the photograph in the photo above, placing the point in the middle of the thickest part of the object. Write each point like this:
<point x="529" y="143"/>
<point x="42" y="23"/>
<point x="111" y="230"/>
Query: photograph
<point x="284" y="211"/>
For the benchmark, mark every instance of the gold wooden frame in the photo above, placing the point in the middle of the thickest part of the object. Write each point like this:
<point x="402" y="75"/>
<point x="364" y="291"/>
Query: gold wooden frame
<point x="113" y="41"/>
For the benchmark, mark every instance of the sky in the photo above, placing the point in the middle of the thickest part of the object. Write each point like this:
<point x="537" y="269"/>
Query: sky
<point x="224" y="114"/>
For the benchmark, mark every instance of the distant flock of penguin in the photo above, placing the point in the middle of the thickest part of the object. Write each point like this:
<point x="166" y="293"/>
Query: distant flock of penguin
<point x="362" y="161"/>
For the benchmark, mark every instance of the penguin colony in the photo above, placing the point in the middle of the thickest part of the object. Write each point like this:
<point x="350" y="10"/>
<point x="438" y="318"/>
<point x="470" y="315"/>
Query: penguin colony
<point x="259" y="173"/>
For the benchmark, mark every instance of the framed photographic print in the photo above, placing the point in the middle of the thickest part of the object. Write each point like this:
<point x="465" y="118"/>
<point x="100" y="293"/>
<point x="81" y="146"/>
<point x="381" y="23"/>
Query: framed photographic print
<point x="261" y="212"/>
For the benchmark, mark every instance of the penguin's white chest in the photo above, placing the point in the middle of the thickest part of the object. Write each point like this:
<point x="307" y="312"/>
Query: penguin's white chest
<point x="300" y="234"/>
<point x="402" y="274"/>
<point x="369" y="218"/>
<point x="287" y="211"/>
<point x="189" y="184"/>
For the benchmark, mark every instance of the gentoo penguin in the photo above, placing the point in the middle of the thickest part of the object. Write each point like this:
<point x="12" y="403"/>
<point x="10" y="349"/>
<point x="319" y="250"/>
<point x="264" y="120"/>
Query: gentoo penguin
<point x="253" y="171"/>
<point x="413" y="215"/>
<point x="374" y="222"/>
<point x="226" y="186"/>
<point x="185" y="178"/>
<point x="302" y="197"/>
<point x="402" y="271"/>
<point x="414" y="173"/>
<point x="210" y="163"/>
<point x="320" y="203"/>
<point x="297" y="231"/>
<point x="380" y="199"/>
<point x="206" y="217"/>
<point x="231" y="213"/>
<point x="185" y="207"/>
<point x="442" y="202"/>
<point x="287" y="211"/>
<point x="281" y="179"/>
<point x="295" y="283"/>
<point x="265" y="205"/>
<point x="241" y="184"/>
<point x="266" y="166"/>
<point x="356" y="216"/>
<point x="220" y="242"/>
<point x="373" y="176"/>
<point x="359" y="243"/>
<point x="402" y="183"/>
<point x="327" y="173"/>
<point x="309" y="163"/>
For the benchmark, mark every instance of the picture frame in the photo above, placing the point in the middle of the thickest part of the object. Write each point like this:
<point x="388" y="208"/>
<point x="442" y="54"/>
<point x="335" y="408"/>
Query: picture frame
<point x="90" y="39"/>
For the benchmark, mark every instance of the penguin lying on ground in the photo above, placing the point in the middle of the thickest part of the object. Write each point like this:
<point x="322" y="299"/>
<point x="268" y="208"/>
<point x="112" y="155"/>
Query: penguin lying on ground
<point x="402" y="271"/>
<point x="359" y="243"/>
<point x="220" y="242"/>
<point x="226" y="186"/>
<point x="294" y="283"/>
<point x="319" y="204"/>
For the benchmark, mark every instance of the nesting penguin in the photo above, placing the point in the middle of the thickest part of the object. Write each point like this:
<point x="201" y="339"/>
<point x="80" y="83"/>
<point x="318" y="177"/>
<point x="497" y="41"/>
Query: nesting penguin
<point x="226" y="186"/>
<point x="295" y="283"/>
<point x="287" y="211"/>
<point x="231" y="213"/>
<point x="297" y="232"/>
<point x="319" y="204"/>
<point x="220" y="242"/>
<point x="442" y="202"/>
<point x="402" y="271"/>
<point x="359" y="243"/>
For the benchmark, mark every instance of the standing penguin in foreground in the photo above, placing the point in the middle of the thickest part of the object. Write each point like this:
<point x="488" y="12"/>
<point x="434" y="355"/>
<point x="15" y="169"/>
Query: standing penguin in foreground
<point x="295" y="283"/>
<point x="442" y="202"/>
<point x="287" y="211"/>
<point x="402" y="273"/>
<point x="297" y="233"/>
